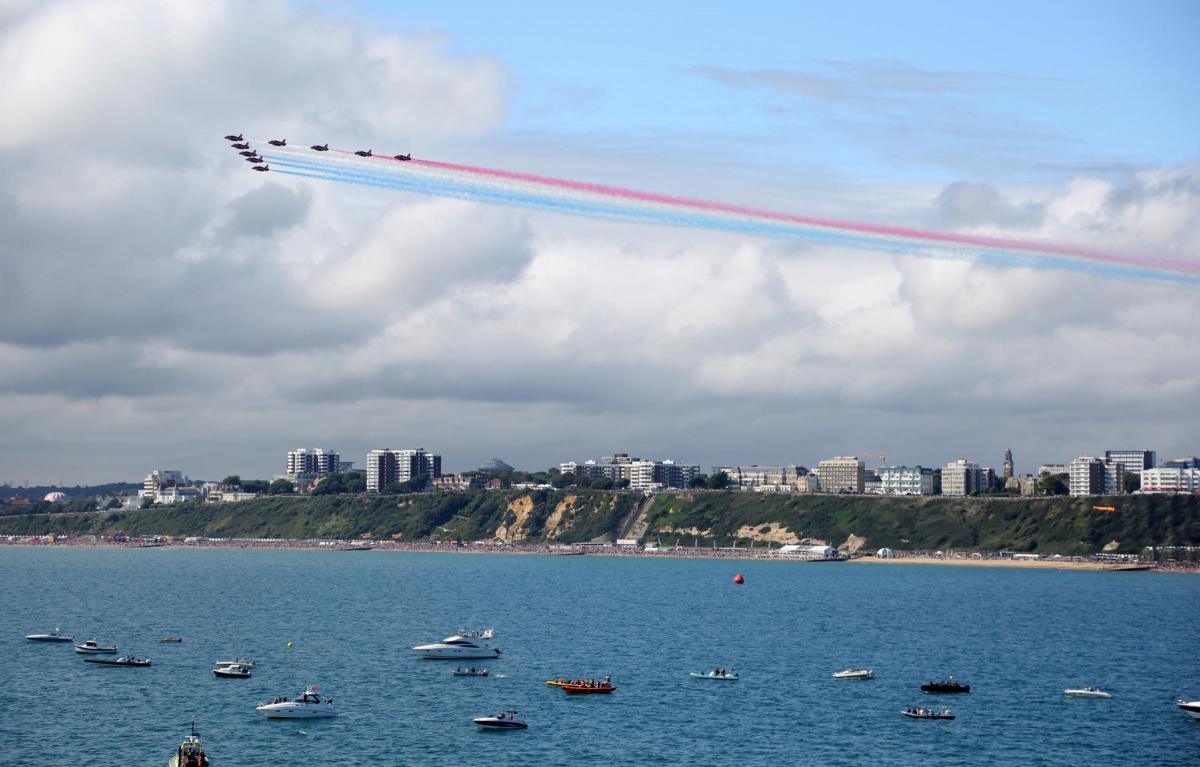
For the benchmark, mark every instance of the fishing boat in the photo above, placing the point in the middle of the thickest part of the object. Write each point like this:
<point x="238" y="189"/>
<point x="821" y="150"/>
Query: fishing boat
<point x="51" y="636"/>
<point x="505" y="720"/>
<point x="917" y="712"/>
<point x="308" y="706"/>
<point x="1191" y="708"/>
<point x="233" y="671"/>
<point x="854" y="673"/>
<point x="950" y="685"/>
<point x="94" y="647"/>
<point x="721" y="674"/>
<point x="588" y="687"/>
<point x="1086" y="692"/>
<point x="469" y="671"/>
<point x="190" y="752"/>
<point x="124" y="660"/>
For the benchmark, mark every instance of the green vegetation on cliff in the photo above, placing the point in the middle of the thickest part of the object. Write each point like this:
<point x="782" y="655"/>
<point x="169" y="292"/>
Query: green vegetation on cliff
<point x="1058" y="524"/>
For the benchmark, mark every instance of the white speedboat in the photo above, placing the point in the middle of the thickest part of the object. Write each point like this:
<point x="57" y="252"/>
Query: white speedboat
<point x="1086" y="692"/>
<point x="1191" y="708"/>
<point x="463" y="645"/>
<point x="723" y="674"/>
<point x="854" y="673"/>
<point x="238" y="662"/>
<point x="505" y="720"/>
<point x="233" y="670"/>
<point x="92" y="646"/>
<point x="308" y="706"/>
<point x="51" y="636"/>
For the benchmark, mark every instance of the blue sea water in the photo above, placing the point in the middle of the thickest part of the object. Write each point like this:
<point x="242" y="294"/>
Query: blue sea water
<point x="1019" y="637"/>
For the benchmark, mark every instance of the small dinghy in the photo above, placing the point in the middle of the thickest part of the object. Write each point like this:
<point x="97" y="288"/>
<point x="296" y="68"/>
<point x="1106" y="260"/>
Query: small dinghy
<point x="917" y="712"/>
<point x="1087" y="692"/>
<point x="721" y="674"/>
<point x="854" y="673"/>
<point x="470" y="671"/>
<point x="126" y="660"/>
<point x="505" y="720"/>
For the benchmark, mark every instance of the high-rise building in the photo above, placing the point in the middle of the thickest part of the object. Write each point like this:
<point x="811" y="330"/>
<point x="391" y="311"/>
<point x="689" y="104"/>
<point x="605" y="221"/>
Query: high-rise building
<point x="1133" y="460"/>
<point x="386" y="466"/>
<point x="844" y="474"/>
<point x="1008" y="464"/>
<point x="1086" y="476"/>
<point x="312" y="461"/>
<point x="1114" y="478"/>
<point x="961" y="478"/>
<point x="906" y="480"/>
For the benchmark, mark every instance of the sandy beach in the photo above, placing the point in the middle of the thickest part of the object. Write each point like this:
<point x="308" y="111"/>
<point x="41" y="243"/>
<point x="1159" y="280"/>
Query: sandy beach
<point x="1037" y="564"/>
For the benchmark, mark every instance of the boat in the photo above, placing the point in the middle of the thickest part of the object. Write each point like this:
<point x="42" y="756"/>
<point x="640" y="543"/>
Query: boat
<point x="854" y="673"/>
<point x="190" y="752"/>
<point x="1087" y="692"/>
<point x="464" y="645"/>
<point x="472" y="671"/>
<point x="51" y="636"/>
<point x="308" y="706"/>
<point x="238" y="662"/>
<point x="722" y="674"/>
<point x="171" y="640"/>
<point x="124" y="660"/>
<point x="917" y="712"/>
<point x="588" y="686"/>
<point x="505" y="720"/>
<point x="557" y="682"/>
<point x="92" y="646"/>
<point x="1191" y="708"/>
<point x="233" y="670"/>
<point x="949" y="685"/>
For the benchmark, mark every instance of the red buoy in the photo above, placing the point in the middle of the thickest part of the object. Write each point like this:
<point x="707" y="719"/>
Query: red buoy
<point x="738" y="579"/>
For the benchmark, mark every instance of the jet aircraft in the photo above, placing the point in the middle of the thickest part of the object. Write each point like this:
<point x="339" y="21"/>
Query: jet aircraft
<point x="255" y="158"/>
<point x="248" y="153"/>
<point x="404" y="156"/>
<point x="243" y="145"/>
<point x="361" y="153"/>
<point x="232" y="137"/>
<point x="320" y="148"/>
<point x="278" y="142"/>
<point x="262" y="167"/>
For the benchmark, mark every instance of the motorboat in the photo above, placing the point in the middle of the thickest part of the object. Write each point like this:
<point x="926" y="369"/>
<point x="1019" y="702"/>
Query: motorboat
<point x="948" y="686"/>
<point x="190" y="753"/>
<point x="472" y="671"/>
<point x="124" y="660"/>
<point x="238" y="662"/>
<point x="1191" y="708"/>
<point x="233" y="671"/>
<point x="722" y="674"/>
<point x="94" y="647"/>
<point x="308" y="706"/>
<point x="463" y="645"/>
<point x="588" y="686"/>
<point x="854" y="673"/>
<point x="1087" y="692"/>
<point x="51" y="636"/>
<point x="171" y="640"/>
<point x="917" y="712"/>
<point x="505" y="720"/>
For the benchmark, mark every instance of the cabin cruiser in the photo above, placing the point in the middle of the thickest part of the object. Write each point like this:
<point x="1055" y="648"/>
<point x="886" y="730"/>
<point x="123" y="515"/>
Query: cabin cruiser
<point x="725" y="674"/>
<point x="92" y="646"/>
<point x="233" y="670"/>
<point x="1087" y="692"/>
<point x="124" y="660"/>
<point x="472" y="671"/>
<point x="949" y="685"/>
<point x="854" y="673"/>
<point x="464" y="644"/>
<point x="917" y="712"/>
<point x="190" y="753"/>
<point x="1191" y="708"/>
<point x="51" y="636"/>
<point x="308" y="706"/>
<point x="505" y="720"/>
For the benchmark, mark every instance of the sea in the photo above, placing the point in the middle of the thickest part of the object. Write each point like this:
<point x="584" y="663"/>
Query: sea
<point x="345" y="621"/>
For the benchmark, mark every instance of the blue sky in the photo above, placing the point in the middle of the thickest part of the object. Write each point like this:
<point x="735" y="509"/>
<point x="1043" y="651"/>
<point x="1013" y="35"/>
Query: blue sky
<point x="925" y="91"/>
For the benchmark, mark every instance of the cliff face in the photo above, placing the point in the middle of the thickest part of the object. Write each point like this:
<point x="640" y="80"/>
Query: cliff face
<point x="1062" y="525"/>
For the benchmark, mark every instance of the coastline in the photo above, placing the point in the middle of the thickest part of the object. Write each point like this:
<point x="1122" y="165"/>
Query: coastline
<point x="1031" y="564"/>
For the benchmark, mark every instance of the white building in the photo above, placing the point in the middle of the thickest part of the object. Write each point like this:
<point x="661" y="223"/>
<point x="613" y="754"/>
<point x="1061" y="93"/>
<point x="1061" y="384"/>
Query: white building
<point x="386" y="467"/>
<point x="178" y="494"/>
<point x="642" y="474"/>
<point x="906" y="480"/>
<point x="1164" y="480"/>
<point x="158" y="479"/>
<point x="312" y="461"/>
<point x="753" y="477"/>
<point x="961" y="478"/>
<point x="1086" y="476"/>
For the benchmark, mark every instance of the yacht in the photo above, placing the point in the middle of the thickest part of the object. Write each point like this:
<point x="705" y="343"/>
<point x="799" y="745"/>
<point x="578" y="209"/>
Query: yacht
<point x="1192" y="708"/>
<point x="92" y="646"/>
<point x="463" y="645"/>
<point x="505" y="720"/>
<point x="233" y="670"/>
<point x="854" y="673"/>
<point x="308" y="706"/>
<point x="190" y="753"/>
<point x="52" y="636"/>
<point x="1087" y="692"/>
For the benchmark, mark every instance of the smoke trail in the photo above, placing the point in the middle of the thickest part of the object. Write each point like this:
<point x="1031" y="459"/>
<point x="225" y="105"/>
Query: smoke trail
<point x="614" y="203"/>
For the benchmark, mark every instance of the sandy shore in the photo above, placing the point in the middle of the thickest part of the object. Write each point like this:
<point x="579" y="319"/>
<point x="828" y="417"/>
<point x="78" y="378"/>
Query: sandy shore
<point x="1036" y="564"/>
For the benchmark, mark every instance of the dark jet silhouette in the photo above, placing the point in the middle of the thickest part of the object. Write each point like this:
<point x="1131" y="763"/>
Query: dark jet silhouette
<point x="278" y="142"/>
<point x="404" y="156"/>
<point x="263" y="168"/>
<point x="320" y="148"/>
<point x="248" y="153"/>
<point x="361" y="153"/>
<point x="241" y="146"/>
<point x="254" y="158"/>
<point x="232" y="137"/>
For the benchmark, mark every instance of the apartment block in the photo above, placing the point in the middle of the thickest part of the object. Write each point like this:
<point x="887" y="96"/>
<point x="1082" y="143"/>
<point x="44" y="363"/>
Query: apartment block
<point x="1086" y="476"/>
<point x="1133" y="460"/>
<point x="906" y="480"/>
<point x="386" y="466"/>
<point x="961" y="478"/>
<point x="1171" y="480"/>
<point x="312" y="461"/>
<point x="752" y="477"/>
<point x="844" y="474"/>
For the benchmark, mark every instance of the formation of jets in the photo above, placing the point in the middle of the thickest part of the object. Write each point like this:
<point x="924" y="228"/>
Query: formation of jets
<point x="252" y="156"/>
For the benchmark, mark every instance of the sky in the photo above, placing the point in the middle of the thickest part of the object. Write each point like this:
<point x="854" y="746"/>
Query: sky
<point x="162" y="307"/>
